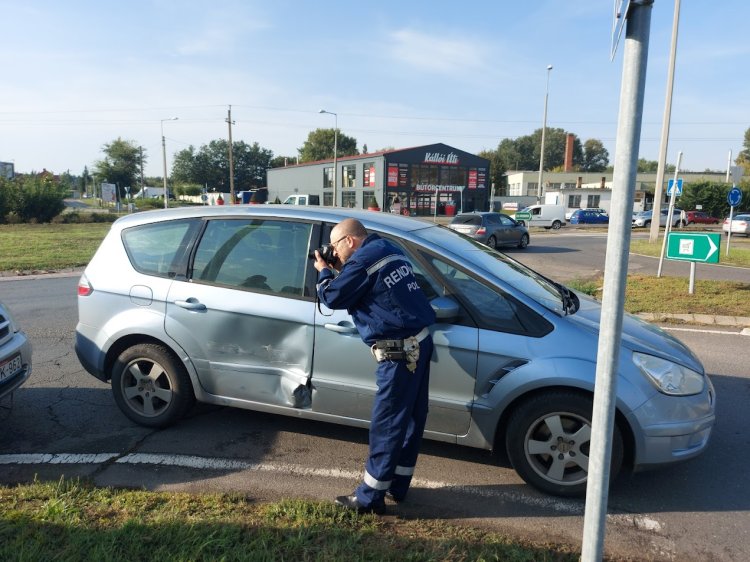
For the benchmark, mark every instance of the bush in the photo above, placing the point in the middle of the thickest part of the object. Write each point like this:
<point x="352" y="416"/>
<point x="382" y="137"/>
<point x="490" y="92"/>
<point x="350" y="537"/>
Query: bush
<point x="30" y="199"/>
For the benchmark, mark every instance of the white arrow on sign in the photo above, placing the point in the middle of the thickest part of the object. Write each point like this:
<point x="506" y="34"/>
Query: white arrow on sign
<point x="713" y="248"/>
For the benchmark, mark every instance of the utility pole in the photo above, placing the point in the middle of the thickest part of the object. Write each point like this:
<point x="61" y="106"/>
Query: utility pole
<point x="231" y="158"/>
<point x="659" y="186"/>
<point x="143" y="180"/>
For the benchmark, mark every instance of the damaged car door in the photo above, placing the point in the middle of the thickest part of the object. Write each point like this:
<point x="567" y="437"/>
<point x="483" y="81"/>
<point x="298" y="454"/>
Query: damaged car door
<point x="243" y="315"/>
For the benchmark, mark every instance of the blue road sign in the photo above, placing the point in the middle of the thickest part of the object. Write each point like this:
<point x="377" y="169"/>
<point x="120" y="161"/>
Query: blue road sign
<point x="734" y="197"/>
<point x="670" y="187"/>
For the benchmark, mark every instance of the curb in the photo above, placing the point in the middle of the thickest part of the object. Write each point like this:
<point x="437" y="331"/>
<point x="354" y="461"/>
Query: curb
<point x="702" y="319"/>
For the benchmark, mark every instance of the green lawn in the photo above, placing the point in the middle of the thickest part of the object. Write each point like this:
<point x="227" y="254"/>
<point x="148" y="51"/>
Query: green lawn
<point x="73" y="521"/>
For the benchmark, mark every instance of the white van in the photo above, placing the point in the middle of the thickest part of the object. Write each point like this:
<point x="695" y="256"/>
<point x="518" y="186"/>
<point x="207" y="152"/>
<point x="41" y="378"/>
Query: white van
<point x="302" y="199"/>
<point x="548" y="216"/>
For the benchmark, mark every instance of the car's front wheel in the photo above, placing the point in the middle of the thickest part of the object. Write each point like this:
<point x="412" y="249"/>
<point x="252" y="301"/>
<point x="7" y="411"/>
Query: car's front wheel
<point x="524" y="241"/>
<point x="151" y="386"/>
<point x="548" y="439"/>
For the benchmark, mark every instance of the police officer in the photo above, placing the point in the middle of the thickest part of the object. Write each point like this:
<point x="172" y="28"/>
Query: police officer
<point x="376" y="285"/>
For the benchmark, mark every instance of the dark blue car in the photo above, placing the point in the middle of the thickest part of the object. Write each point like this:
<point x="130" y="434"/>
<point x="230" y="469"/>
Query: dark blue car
<point x="588" y="216"/>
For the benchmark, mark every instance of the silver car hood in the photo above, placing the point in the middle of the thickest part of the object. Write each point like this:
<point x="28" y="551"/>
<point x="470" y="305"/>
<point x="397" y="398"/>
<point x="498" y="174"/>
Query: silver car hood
<point x="637" y="334"/>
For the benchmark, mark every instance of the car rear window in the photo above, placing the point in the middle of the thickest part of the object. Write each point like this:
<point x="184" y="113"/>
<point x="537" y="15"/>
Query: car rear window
<point x="467" y="219"/>
<point x="159" y="248"/>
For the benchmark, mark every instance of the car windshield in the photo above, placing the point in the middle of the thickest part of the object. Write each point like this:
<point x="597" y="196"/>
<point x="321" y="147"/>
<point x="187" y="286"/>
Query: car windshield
<point x="498" y="265"/>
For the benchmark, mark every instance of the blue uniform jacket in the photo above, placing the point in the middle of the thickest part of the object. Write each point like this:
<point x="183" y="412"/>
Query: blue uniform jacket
<point x="378" y="288"/>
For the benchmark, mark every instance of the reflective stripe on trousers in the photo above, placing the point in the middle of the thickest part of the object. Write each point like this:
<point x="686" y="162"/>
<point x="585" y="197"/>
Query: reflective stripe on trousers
<point x="399" y="413"/>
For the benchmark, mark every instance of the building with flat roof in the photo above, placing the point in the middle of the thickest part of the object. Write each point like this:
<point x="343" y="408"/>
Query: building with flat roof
<point x="418" y="181"/>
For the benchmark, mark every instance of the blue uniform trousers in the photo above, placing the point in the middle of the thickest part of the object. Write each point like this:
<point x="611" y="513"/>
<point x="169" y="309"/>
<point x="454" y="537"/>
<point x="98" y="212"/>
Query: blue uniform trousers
<point x="399" y="414"/>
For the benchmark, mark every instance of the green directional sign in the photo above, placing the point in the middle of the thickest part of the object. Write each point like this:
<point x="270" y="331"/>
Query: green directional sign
<point x="523" y="216"/>
<point x="693" y="246"/>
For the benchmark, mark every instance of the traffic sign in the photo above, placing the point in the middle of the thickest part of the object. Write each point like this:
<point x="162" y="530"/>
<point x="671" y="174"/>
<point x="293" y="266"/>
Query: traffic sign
<point x="734" y="197"/>
<point x="694" y="246"/>
<point x="523" y="216"/>
<point x="670" y="187"/>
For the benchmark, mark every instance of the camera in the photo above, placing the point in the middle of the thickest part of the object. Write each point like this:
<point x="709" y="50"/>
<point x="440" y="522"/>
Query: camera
<point x="326" y="252"/>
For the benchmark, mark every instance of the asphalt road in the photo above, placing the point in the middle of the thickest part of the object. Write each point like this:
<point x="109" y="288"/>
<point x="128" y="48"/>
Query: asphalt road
<point x="699" y="510"/>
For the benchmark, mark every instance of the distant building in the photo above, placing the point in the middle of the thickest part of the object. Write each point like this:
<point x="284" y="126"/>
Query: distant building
<point x="415" y="181"/>
<point x="7" y="170"/>
<point x="580" y="190"/>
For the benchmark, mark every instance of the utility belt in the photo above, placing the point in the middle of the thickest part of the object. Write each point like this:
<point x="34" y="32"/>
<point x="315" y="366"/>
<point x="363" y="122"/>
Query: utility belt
<point x="406" y="349"/>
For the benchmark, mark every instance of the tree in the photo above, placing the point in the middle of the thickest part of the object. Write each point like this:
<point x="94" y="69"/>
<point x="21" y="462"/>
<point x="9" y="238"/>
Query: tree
<point x="743" y="158"/>
<point x="281" y="161"/>
<point x="712" y="197"/>
<point x="210" y="165"/>
<point x="595" y="156"/>
<point x="121" y="164"/>
<point x="497" y="169"/>
<point x="319" y="145"/>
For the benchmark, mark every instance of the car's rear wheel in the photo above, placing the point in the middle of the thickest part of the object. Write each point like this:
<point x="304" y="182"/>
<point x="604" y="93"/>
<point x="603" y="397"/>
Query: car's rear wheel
<point x="492" y="242"/>
<point x="548" y="439"/>
<point x="524" y="241"/>
<point x="556" y="225"/>
<point x="151" y="386"/>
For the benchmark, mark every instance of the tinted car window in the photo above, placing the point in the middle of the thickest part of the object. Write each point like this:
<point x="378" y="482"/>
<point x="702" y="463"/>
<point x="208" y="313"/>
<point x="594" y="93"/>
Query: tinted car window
<point x="159" y="248"/>
<point x="467" y="219"/>
<point x="492" y="308"/>
<point x="266" y="255"/>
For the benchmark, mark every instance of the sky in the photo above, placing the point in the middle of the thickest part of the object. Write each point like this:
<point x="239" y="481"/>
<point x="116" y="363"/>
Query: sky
<point x="80" y="74"/>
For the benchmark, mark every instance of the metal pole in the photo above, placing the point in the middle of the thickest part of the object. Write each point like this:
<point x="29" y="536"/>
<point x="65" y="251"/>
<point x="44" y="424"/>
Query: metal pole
<point x="335" y="154"/>
<point x="659" y="186"/>
<point x="729" y="165"/>
<point x="729" y="233"/>
<point x="691" y="287"/>
<point x="615" y="275"/>
<point x="231" y="158"/>
<point x="539" y="190"/>
<point x="164" y="157"/>
<point x="668" y="226"/>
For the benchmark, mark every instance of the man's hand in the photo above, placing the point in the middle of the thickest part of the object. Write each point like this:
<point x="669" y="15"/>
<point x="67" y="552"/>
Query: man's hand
<point x="320" y="263"/>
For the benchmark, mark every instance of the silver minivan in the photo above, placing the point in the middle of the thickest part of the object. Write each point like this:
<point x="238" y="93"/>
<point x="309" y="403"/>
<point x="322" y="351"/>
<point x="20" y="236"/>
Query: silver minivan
<point x="217" y="304"/>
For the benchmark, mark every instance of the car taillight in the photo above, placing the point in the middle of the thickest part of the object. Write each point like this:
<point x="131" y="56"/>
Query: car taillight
<point x="84" y="287"/>
<point x="481" y="230"/>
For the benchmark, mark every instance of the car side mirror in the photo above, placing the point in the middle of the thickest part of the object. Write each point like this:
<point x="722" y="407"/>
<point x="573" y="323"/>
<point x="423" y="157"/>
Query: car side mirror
<point x="445" y="308"/>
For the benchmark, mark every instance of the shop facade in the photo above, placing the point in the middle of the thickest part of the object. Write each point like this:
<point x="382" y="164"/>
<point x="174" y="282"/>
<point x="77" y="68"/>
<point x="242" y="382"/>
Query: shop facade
<point x="421" y="181"/>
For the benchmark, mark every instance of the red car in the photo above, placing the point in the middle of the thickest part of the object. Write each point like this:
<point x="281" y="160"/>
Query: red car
<point x="700" y="217"/>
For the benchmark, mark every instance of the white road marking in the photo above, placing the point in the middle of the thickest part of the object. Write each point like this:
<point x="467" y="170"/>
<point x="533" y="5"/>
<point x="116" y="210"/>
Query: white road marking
<point x="568" y="507"/>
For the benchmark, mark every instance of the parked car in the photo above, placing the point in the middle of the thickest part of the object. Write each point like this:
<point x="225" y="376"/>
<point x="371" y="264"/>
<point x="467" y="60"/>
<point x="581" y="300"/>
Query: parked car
<point x="699" y="217"/>
<point x="493" y="229"/>
<point x="740" y="224"/>
<point x="218" y="304"/>
<point x="588" y="216"/>
<point x="644" y="218"/>
<point x="569" y="214"/>
<point x="15" y="354"/>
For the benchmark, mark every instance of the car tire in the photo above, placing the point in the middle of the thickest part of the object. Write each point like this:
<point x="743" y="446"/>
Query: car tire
<point x="548" y="439"/>
<point x="492" y="242"/>
<point x="151" y="386"/>
<point x="524" y="241"/>
<point x="646" y="224"/>
<point x="556" y="225"/>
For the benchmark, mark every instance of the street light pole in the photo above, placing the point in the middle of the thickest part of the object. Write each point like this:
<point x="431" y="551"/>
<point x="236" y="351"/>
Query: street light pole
<point x="544" y="130"/>
<point x="335" y="151"/>
<point x="164" y="157"/>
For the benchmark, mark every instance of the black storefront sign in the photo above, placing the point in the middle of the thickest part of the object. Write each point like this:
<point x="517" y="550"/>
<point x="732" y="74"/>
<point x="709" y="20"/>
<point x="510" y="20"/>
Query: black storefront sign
<point x="437" y="177"/>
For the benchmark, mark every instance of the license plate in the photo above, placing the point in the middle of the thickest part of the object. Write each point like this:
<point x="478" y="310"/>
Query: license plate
<point x="10" y="367"/>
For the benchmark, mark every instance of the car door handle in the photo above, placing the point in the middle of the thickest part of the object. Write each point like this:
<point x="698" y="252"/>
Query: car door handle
<point x="341" y="329"/>
<point x="191" y="304"/>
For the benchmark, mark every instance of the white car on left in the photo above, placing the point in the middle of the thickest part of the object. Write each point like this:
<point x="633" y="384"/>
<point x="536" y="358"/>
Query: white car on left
<point x="15" y="354"/>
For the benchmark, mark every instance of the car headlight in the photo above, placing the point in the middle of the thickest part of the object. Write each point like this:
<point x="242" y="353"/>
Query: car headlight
<point x="670" y="378"/>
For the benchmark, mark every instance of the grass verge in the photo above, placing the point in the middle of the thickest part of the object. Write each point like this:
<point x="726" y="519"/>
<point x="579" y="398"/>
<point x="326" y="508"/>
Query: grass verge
<point x="670" y="294"/>
<point x="71" y="520"/>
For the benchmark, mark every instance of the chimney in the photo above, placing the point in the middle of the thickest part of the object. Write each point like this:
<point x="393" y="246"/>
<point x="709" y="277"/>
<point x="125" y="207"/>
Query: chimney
<point x="569" y="139"/>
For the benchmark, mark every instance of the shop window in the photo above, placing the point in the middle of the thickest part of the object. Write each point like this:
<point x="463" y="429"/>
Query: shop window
<point x="368" y="174"/>
<point x="349" y="199"/>
<point x="328" y="178"/>
<point x="348" y="176"/>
